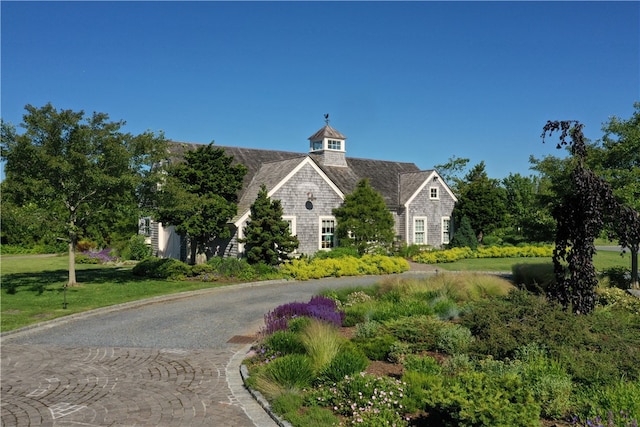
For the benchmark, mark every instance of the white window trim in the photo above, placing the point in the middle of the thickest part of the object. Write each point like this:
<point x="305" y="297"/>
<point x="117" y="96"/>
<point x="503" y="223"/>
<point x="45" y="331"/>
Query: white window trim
<point x="240" y="236"/>
<point x="291" y="218"/>
<point x="446" y="218"/>
<point x="413" y="236"/>
<point x="437" y="197"/>
<point x="335" y="225"/>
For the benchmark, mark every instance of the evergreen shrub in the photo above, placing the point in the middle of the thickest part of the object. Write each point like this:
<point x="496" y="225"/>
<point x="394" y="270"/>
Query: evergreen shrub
<point x="480" y="399"/>
<point x="161" y="268"/>
<point x="535" y="278"/>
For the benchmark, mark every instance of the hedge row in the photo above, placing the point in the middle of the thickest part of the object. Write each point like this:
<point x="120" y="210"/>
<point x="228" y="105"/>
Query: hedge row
<point x="317" y="268"/>
<point x="455" y="254"/>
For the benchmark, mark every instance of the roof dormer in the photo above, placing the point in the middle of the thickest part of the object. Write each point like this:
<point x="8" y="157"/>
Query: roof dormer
<point x="329" y="144"/>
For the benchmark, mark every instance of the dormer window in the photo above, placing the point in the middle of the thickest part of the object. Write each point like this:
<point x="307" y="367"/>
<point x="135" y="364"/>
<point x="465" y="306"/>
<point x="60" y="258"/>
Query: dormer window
<point x="333" y="144"/>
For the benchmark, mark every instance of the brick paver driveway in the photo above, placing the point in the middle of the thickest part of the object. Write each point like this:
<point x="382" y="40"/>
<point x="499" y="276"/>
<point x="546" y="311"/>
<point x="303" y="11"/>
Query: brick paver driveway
<point x="165" y="362"/>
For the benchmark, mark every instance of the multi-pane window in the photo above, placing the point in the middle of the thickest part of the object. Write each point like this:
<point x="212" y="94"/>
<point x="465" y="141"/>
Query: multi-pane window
<point x="291" y="220"/>
<point x="446" y="230"/>
<point x="327" y="233"/>
<point x="317" y="145"/>
<point x="332" y="144"/>
<point x="419" y="231"/>
<point x="433" y="192"/>
<point x="145" y="226"/>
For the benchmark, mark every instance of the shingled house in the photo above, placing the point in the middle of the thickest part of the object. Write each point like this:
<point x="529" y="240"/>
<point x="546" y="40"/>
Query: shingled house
<point x="311" y="185"/>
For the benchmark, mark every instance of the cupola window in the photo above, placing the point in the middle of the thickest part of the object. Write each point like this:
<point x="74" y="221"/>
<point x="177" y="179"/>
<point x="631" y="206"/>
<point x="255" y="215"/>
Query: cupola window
<point x="333" y="144"/>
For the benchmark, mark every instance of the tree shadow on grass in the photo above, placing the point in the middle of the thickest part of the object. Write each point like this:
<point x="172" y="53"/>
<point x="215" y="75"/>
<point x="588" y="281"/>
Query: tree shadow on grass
<point x="38" y="282"/>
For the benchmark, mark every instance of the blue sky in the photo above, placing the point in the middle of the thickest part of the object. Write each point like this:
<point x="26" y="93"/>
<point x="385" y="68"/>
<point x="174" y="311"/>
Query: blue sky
<point x="408" y="81"/>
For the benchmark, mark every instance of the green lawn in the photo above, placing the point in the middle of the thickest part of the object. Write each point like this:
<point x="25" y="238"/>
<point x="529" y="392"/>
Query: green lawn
<point x="39" y="284"/>
<point x="603" y="260"/>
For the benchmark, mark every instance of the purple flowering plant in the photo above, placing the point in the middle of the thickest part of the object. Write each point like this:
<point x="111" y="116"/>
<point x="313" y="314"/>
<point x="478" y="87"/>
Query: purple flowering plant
<point x="101" y="257"/>
<point x="318" y="307"/>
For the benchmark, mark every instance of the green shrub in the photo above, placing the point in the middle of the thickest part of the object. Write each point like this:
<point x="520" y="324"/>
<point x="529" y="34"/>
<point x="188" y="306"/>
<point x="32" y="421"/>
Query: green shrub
<point x="453" y="339"/>
<point x="421" y="332"/>
<point x="617" y="298"/>
<point x="161" y="268"/>
<point x="86" y="259"/>
<point x="201" y="270"/>
<point x="232" y="267"/>
<point x="619" y="277"/>
<point x="478" y="399"/>
<point x="136" y="248"/>
<point x="298" y="324"/>
<point x="284" y="342"/>
<point x="618" y="401"/>
<point x="445" y="308"/>
<point x="464" y="236"/>
<point x="595" y="349"/>
<point x="548" y="381"/>
<point x="423" y="364"/>
<point x="314" y="416"/>
<point x="534" y="277"/>
<point x="376" y="348"/>
<point x="287" y="402"/>
<point x="368" y="329"/>
<point x="347" y="362"/>
<point x="292" y="371"/>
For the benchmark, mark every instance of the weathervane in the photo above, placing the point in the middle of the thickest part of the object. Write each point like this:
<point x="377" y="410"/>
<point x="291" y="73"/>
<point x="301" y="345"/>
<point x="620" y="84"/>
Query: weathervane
<point x="326" y="119"/>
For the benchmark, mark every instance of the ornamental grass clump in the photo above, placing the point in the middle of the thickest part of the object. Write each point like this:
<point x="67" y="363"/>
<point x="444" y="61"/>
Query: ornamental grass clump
<point x="321" y="342"/>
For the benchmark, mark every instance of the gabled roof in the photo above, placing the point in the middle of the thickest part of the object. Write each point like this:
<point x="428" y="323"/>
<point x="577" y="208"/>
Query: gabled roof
<point x="383" y="176"/>
<point x="326" y="132"/>
<point x="410" y="183"/>
<point x="251" y="158"/>
<point x="397" y="182"/>
<point x="270" y="174"/>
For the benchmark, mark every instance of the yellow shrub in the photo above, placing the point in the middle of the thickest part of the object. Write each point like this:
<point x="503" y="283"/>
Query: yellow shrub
<point x="345" y="266"/>
<point x="455" y="254"/>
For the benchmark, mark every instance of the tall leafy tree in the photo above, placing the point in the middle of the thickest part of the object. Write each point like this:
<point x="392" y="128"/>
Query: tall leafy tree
<point x="452" y="172"/>
<point x="75" y="171"/>
<point x="364" y="222"/>
<point x="581" y="216"/>
<point x="199" y="196"/>
<point x="482" y="201"/>
<point x="528" y="214"/>
<point x="267" y="236"/>
<point x="619" y="163"/>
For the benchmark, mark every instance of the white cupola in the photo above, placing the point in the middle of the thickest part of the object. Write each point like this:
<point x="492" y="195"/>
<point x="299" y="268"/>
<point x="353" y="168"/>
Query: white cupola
<point x="329" y="145"/>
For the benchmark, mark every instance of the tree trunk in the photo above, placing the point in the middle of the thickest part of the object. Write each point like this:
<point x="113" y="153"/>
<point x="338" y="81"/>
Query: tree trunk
<point x="634" y="268"/>
<point x="72" y="263"/>
<point x="193" y="249"/>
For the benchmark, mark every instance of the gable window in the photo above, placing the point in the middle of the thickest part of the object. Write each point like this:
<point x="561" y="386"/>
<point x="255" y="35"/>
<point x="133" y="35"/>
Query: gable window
<point x="327" y="233"/>
<point x="332" y="144"/>
<point x="291" y="220"/>
<point x="433" y="193"/>
<point x="420" y="230"/>
<point x="446" y="229"/>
